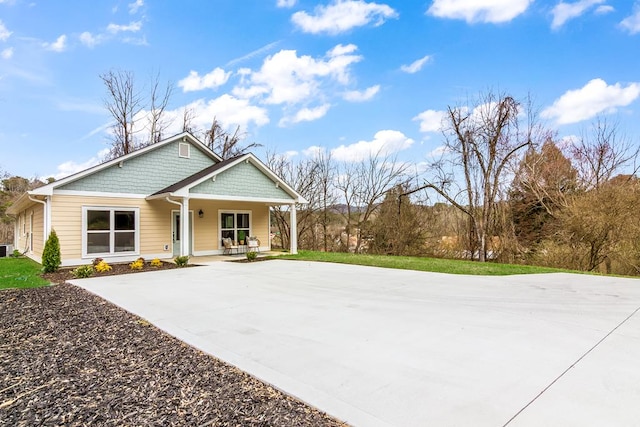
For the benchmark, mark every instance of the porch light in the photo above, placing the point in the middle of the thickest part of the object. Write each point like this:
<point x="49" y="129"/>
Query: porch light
<point x="200" y="213"/>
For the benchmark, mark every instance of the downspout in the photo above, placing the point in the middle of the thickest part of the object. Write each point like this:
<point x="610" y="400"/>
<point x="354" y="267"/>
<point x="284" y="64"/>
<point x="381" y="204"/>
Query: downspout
<point x="45" y="216"/>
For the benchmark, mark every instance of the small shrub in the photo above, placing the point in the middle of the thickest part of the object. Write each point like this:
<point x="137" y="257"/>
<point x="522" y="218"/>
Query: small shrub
<point x="102" y="267"/>
<point x="82" y="272"/>
<point x="137" y="265"/>
<point x="51" y="259"/>
<point x="252" y="255"/>
<point x="96" y="261"/>
<point x="181" y="261"/>
<point x="16" y="253"/>
<point x="156" y="262"/>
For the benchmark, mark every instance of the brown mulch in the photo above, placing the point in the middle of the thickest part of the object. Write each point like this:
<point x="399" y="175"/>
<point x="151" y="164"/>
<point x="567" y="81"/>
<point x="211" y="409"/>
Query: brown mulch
<point x="64" y="274"/>
<point x="67" y="357"/>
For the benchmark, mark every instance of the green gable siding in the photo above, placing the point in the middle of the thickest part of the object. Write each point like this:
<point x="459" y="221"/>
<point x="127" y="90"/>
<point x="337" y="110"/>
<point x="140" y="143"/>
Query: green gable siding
<point x="242" y="180"/>
<point x="145" y="174"/>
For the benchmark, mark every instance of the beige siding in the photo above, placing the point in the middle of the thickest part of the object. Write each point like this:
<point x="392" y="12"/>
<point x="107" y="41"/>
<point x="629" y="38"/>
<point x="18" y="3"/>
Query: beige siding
<point x="155" y="222"/>
<point x="30" y="222"/>
<point x="155" y="227"/>
<point x="206" y="230"/>
<point x="38" y="229"/>
<point x="66" y="220"/>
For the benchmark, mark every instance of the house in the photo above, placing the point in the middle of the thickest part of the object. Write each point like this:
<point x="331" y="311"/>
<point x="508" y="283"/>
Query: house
<point x="174" y="197"/>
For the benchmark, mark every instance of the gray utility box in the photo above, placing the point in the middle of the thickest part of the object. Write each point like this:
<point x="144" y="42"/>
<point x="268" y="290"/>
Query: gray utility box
<point x="6" y="250"/>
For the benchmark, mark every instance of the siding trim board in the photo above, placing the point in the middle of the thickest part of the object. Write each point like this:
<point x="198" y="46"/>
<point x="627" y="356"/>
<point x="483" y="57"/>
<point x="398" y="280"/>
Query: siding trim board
<point x="100" y="194"/>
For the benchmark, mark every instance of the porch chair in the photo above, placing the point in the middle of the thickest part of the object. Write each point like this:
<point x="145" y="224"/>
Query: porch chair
<point x="229" y="246"/>
<point x="253" y="244"/>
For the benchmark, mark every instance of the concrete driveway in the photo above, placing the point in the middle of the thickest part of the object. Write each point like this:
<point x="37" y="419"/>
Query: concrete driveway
<point x="378" y="347"/>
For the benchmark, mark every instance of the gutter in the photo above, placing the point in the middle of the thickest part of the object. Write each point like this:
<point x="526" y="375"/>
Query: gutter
<point x="173" y="201"/>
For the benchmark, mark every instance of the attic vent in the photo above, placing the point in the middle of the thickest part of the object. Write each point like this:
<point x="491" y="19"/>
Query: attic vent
<point x="184" y="150"/>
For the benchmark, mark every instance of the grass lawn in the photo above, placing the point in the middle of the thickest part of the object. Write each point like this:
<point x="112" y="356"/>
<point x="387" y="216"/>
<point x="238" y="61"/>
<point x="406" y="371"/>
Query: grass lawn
<point x="423" y="264"/>
<point x="20" y="273"/>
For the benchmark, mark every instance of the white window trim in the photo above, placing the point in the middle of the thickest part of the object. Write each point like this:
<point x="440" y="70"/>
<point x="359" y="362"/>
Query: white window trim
<point x="111" y="231"/>
<point x="188" y="146"/>
<point x="235" y="212"/>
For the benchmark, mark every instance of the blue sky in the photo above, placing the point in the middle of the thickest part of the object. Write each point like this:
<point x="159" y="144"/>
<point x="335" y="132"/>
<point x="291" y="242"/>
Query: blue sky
<point x="351" y="76"/>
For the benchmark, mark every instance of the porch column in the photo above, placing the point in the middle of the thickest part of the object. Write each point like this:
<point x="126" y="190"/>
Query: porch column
<point x="293" y="233"/>
<point x="185" y="220"/>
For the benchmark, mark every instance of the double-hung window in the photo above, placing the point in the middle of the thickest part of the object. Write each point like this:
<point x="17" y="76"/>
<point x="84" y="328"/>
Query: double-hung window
<point x="110" y="231"/>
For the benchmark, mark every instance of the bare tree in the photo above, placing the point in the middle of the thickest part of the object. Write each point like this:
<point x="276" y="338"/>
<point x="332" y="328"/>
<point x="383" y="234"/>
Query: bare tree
<point x="187" y="120"/>
<point x="363" y="186"/>
<point x="312" y="178"/>
<point x="480" y="142"/>
<point x="127" y="107"/>
<point x="602" y="153"/>
<point x="123" y="103"/>
<point x="159" y="99"/>
<point x="326" y="175"/>
<point x="226" y="144"/>
<point x="400" y="226"/>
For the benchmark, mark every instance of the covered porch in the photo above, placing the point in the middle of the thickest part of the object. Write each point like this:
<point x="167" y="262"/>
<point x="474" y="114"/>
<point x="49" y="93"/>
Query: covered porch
<point x="199" y="225"/>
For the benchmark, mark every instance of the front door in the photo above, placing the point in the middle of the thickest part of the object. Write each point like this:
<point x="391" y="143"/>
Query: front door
<point x="177" y="230"/>
<point x="176" y="225"/>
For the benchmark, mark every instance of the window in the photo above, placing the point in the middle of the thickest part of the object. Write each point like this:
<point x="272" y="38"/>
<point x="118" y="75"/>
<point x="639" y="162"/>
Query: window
<point x="184" y="150"/>
<point x="235" y="225"/>
<point x="110" y="231"/>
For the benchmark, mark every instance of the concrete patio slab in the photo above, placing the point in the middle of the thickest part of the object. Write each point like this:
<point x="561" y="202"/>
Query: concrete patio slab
<point x="380" y="347"/>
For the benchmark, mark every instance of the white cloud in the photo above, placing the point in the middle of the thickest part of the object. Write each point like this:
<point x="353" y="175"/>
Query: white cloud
<point x="7" y="53"/>
<point x="587" y="102"/>
<point x="415" y="66"/>
<point x="286" y="3"/>
<point x="228" y="110"/>
<point x="57" y="46"/>
<point x="132" y="27"/>
<point x="567" y="141"/>
<point x="342" y="16"/>
<point x="491" y="11"/>
<point x="431" y="120"/>
<point x="385" y="142"/>
<point x="313" y="151"/>
<point x="133" y="7"/>
<point x="69" y="168"/>
<point x="89" y="39"/>
<point x="306" y="115"/>
<point x="217" y="77"/>
<point x="439" y="151"/>
<point x="4" y="32"/>
<point x="632" y="22"/>
<point x="361" y="96"/>
<point x="286" y="78"/>
<point x="605" y="8"/>
<point x="562" y="12"/>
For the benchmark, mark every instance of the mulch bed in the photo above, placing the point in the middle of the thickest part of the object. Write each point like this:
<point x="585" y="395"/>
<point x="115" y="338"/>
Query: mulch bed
<point x="64" y="274"/>
<point x="67" y="357"/>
